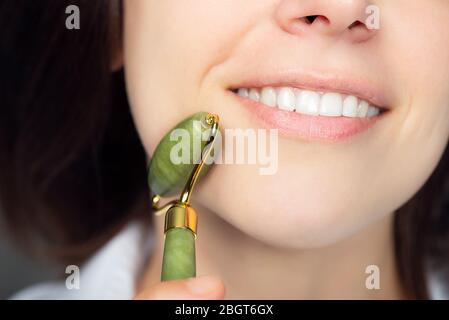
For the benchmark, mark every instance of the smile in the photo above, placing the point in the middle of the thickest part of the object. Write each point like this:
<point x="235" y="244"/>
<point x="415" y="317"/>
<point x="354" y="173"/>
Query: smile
<point x="313" y="103"/>
<point x="313" y="108"/>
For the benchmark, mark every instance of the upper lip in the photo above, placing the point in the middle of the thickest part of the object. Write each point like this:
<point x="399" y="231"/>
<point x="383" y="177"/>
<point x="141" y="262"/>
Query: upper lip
<point x="357" y="86"/>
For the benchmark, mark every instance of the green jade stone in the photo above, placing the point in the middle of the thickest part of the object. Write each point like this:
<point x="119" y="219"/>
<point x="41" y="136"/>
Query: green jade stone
<point x="167" y="178"/>
<point x="179" y="255"/>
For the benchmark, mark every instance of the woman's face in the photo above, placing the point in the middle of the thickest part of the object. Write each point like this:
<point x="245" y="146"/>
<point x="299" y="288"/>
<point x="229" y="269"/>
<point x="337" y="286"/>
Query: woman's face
<point x="335" y="175"/>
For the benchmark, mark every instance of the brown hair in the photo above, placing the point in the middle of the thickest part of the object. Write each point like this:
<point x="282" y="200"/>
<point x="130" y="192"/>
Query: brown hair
<point x="72" y="168"/>
<point x="71" y="165"/>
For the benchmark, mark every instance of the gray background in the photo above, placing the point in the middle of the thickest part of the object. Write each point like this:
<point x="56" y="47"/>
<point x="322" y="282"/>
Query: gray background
<point x="18" y="271"/>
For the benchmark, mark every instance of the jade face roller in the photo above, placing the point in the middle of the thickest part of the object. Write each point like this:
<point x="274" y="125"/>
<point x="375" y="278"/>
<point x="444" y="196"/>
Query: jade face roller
<point x="165" y="179"/>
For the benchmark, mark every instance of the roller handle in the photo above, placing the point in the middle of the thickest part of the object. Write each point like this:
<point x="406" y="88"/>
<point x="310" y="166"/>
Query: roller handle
<point x="179" y="260"/>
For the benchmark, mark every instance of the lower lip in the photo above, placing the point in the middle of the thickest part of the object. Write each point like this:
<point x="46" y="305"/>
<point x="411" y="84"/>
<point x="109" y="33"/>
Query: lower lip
<point x="305" y="127"/>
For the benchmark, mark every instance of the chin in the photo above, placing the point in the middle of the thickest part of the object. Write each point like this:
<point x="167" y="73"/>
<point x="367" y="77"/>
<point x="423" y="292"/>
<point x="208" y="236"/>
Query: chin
<point x="278" y="215"/>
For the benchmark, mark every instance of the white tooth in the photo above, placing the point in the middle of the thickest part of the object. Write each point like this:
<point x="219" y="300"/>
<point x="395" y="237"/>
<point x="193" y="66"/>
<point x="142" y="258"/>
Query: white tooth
<point x="331" y="105"/>
<point x="268" y="97"/>
<point x="308" y="102"/>
<point x="254" y="95"/>
<point x="373" y="111"/>
<point x="243" y="92"/>
<point x="363" y="109"/>
<point x="286" y="99"/>
<point x="350" y="105"/>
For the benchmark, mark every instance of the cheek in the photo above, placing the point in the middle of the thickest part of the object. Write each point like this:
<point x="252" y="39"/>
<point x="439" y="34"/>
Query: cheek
<point x="419" y="55"/>
<point x="170" y="47"/>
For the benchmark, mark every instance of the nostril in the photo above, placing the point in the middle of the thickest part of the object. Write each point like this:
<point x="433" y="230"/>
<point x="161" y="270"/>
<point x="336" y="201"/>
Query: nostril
<point x="312" y="19"/>
<point x="356" y="24"/>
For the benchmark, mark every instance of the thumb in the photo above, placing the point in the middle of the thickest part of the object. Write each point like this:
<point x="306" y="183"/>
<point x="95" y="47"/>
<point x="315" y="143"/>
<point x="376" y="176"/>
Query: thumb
<point x="200" y="288"/>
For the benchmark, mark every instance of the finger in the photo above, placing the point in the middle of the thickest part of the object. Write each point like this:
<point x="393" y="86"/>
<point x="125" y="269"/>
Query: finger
<point x="200" y="288"/>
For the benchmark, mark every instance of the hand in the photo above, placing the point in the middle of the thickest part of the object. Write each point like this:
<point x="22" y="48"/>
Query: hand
<point x="200" y="288"/>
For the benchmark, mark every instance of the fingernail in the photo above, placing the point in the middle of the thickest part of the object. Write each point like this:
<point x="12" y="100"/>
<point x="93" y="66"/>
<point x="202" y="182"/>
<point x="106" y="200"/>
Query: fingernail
<point x="202" y="285"/>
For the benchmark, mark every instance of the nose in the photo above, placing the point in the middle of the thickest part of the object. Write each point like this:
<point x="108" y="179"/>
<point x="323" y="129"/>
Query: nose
<point x="330" y="18"/>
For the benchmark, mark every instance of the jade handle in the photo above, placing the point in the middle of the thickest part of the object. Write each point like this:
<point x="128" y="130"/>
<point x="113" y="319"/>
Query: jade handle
<point x="179" y="255"/>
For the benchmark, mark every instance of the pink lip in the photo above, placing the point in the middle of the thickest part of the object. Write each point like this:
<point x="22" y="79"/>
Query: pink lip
<point x="319" y="81"/>
<point x="305" y="127"/>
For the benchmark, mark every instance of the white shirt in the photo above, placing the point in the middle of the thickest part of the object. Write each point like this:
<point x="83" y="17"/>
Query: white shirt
<point x="112" y="272"/>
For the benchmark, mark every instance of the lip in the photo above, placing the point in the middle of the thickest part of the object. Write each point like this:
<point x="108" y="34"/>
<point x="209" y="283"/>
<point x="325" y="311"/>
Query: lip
<point x="305" y="127"/>
<point x="314" y="128"/>
<point x="357" y="86"/>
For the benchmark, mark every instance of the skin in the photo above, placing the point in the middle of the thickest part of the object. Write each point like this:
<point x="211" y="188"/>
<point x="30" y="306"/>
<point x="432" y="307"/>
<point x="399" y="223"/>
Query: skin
<point x="327" y="213"/>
